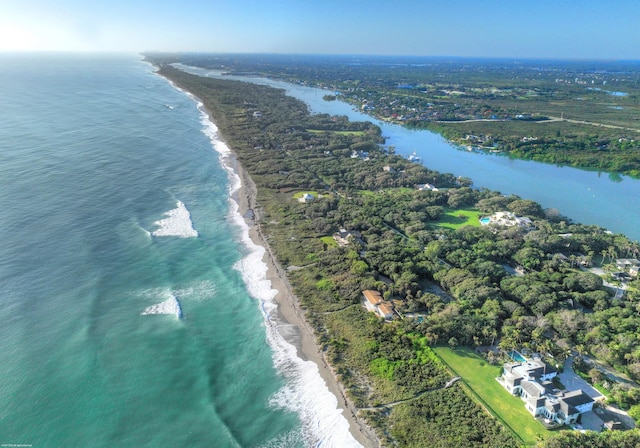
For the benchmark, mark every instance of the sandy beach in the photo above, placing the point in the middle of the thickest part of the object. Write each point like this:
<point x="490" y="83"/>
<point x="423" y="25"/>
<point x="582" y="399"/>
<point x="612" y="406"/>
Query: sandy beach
<point x="290" y="312"/>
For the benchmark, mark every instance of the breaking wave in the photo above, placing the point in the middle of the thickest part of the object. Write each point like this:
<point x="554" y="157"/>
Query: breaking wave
<point x="177" y="223"/>
<point x="169" y="306"/>
<point x="305" y="391"/>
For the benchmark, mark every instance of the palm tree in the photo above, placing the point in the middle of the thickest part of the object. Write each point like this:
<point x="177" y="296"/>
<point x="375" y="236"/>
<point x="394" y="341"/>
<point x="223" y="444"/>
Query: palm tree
<point x="589" y="258"/>
<point x="603" y="252"/>
<point x="581" y="350"/>
<point x="545" y="346"/>
<point x="490" y="332"/>
<point x="635" y="248"/>
<point x="507" y="344"/>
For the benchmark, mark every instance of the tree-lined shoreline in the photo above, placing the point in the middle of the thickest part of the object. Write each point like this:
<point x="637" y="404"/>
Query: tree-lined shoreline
<point x="571" y="113"/>
<point x="556" y="305"/>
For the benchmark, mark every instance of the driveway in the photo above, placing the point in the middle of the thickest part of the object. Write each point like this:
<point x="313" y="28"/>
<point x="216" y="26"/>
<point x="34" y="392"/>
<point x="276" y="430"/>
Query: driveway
<point x="611" y="374"/>
<point x="572" y="381"/>
<point x="591" y="421"/>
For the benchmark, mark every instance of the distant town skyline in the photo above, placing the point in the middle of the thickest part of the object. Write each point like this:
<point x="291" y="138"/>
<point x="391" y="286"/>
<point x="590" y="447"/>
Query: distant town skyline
<point x="559" y="29"/>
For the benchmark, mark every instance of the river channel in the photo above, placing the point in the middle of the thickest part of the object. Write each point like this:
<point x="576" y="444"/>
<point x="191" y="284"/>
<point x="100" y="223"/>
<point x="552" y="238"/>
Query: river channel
<point x="589" y="197"/>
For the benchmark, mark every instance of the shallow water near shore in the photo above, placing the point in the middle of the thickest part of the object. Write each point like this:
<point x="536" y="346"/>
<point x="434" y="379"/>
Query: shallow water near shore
<point x="134" y="308"/>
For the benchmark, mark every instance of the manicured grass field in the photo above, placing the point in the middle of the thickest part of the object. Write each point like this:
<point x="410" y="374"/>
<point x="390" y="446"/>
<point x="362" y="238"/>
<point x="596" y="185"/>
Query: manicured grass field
<point x="454" y="219"/>
<point x="481" y="378"/>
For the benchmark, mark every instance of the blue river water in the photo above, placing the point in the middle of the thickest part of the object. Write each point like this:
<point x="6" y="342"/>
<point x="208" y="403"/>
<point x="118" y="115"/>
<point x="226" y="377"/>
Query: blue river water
<point x="589" y="197"/>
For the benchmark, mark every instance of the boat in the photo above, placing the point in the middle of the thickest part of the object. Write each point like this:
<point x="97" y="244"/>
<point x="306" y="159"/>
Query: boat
<point x="414" y="157"/>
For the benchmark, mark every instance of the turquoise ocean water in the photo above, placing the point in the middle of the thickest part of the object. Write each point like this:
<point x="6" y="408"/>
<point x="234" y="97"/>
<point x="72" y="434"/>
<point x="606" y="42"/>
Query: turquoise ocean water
<point x="115" y="217"/>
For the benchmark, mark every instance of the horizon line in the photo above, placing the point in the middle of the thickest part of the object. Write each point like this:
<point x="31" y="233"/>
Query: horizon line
<point x="298" y="54"/>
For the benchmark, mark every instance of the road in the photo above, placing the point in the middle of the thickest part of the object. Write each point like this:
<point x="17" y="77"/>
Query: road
<point x="548" y="120"/>
<point x="591" y="123"/>
<point x="610" y="373"/>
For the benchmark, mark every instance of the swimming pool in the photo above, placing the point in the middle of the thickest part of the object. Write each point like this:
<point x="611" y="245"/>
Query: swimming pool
<point x="485" y="220"/>
<point x="517" y="356"/>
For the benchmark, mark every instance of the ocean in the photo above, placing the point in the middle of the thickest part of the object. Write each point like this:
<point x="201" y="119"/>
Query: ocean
<point x="134" y="307"/>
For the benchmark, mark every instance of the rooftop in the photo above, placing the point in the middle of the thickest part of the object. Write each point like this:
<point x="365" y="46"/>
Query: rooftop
<point x="372" y="296"/>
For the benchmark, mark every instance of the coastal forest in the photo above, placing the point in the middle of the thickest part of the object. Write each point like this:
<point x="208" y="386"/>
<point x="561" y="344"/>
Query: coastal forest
<point x="414" y="235"/>
<point x="574" y="113"/>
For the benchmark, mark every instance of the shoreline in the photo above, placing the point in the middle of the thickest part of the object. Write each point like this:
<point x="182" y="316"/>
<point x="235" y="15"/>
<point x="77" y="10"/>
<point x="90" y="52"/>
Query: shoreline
<point x="588" y="189"/>
<point x="290" y="312"/>
<point x="288" y="308"/>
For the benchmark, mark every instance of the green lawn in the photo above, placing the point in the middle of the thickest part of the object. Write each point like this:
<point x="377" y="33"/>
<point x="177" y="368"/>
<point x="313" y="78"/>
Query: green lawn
<point x="329" y="241"/>
<point x="481" y="378"/>
<point x="454" y="219"/>
<point x="600" y="388"/>
<point x="299" y="194"/>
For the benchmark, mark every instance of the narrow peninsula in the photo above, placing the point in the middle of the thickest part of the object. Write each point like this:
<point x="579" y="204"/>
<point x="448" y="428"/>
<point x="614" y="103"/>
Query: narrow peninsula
<point x="415" y="292"/>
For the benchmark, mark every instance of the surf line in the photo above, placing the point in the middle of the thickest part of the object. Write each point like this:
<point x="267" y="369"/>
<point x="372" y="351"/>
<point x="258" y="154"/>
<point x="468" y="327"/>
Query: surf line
<point x="169" y="306"/>
<point x="177" y="222"/>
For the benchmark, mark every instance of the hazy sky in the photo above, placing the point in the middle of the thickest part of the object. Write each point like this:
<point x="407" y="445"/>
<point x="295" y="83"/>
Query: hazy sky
<point x="608" y="29"/>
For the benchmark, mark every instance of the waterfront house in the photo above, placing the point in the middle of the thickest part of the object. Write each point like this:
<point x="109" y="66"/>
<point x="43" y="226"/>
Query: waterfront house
<point x="507" y="219"/>
<point x="374" y="303"/>
<point x="385" y="310"/>
<point x="531" y="380"/>
<point x="371" y="299"/>
<point x="626" y="264"/>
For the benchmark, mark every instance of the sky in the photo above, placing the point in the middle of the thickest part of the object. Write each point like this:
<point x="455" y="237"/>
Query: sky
<point x="559" y="29"/>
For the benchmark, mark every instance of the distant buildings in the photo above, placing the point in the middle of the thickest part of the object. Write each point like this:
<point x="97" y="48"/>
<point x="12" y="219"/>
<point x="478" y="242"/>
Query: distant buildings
<point x="363" y="155"/>
<point x="429" y="187"/>
<point x="507" y="219"/>
<point x="307" y="197"/>
<point x="630" y="265"/>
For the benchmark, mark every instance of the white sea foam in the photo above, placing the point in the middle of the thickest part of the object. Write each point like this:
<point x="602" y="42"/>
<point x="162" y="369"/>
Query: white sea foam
<point x="177" y="223"/>
<point x="305" y="392"/>
<point x="200" y="291"/>
<point x="169" y="306"/>
<point x="285" y="440"/>
<point x="193" y="292"/>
